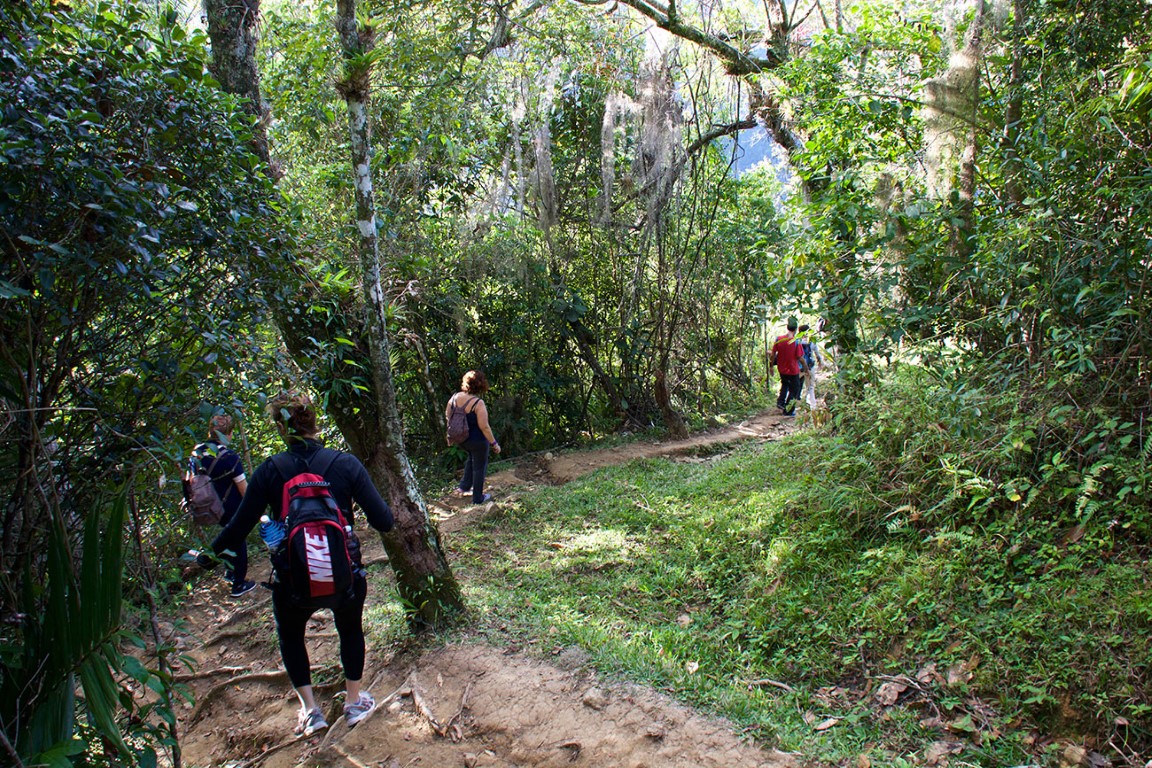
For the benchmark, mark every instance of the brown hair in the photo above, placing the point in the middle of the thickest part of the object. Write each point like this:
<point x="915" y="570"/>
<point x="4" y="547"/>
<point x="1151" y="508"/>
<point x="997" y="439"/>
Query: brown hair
<point x="293" y="413"/>
<point x="220" y="425"/>
<point x="474" y="383"/>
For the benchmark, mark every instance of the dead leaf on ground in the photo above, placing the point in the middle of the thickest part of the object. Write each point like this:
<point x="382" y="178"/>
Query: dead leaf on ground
<point x="938" y="751"/>
<point x="826" y="724"/>
<point x="960" y="672"/>
<point x="888" y="693"/>
<point x="928" y="674"/>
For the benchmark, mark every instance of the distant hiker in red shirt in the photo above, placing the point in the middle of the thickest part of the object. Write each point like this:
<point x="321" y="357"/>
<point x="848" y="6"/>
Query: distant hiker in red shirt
<point x="788" y="357"/>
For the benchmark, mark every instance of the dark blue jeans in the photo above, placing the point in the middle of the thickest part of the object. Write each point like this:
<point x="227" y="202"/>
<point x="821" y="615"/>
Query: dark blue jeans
<point x="474" y="468"/>
<point x="789" y="393"/>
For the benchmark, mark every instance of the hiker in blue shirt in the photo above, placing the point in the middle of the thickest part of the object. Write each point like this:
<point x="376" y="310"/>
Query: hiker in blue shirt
<point x="226" y="471"/>
<point x="812" y="358"/>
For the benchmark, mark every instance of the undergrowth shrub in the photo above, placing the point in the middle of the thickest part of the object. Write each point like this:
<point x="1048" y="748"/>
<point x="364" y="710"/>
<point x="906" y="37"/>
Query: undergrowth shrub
<point x="1000" y="528"/>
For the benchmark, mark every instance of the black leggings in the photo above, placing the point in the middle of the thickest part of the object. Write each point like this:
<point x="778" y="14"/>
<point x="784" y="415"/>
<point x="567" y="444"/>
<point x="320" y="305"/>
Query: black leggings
<point x="237" y="564"/>
<point x="292" y="620"/>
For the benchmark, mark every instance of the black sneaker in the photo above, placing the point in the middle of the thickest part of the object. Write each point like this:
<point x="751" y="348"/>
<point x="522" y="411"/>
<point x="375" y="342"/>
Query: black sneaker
<point x="243" y="588"/>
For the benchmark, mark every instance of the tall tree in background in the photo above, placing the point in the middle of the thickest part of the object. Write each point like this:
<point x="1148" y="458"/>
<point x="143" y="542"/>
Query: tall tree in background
<point x="423" y="576"/>
<point x="371" y="425"/>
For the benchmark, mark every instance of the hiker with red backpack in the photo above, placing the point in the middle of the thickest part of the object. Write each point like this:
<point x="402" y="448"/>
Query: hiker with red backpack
<point x="214" y="484"/>
<point x="467" y="418"/>
<point x="308" y="492"/>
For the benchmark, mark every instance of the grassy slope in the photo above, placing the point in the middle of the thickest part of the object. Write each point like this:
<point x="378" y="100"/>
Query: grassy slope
<point x="698" y="578"/>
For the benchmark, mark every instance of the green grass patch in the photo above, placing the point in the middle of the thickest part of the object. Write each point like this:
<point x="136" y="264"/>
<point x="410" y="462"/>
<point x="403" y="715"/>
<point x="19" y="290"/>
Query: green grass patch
<point x="705" y="580"/>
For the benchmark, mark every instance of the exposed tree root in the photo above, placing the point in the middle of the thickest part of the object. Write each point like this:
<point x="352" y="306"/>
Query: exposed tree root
<point x="450" y="729"/>
<point x="344" y="754"/>
<point x="246" y="610"/>
<point x="193" y="676"/>
<point x="232" y="634"/>
<point x="404" y="690"/>
<point x="213" y="692"/>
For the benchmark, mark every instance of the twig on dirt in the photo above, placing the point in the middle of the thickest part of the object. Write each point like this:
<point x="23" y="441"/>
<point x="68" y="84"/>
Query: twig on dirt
<point x="241" y="613"/>
<point x="575" y="746"/>
<point x="344" y="754"/>
<point x="192" y="676"/>
<point x="268" y="753"/>
<point x="214" y="691"/>
<point x="455" y="732"/>
<point x="765" y="681"/>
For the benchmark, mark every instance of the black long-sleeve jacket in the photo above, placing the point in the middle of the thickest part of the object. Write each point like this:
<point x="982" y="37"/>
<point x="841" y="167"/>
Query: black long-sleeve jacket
<point x="348" y="480"/>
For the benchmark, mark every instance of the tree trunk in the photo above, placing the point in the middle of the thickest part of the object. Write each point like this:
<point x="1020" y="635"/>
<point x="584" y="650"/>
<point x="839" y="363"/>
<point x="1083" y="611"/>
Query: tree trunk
<point x="973" y="54"/>
<point x="1013" y="187"/>
<point x="371" y="427"/>
<point x="232" y="29"/>
<point x="426" y="584"/>
<point x="673" y="421"/>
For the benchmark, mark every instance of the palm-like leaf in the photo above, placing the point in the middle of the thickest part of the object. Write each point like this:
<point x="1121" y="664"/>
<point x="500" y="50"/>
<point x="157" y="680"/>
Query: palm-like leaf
<point x="71" y="628"/>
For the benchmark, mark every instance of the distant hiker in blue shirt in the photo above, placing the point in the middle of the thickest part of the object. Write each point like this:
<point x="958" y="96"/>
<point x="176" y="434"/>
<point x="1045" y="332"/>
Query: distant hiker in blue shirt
<point x="812" y="358"/>
<point x="226" y="471"/>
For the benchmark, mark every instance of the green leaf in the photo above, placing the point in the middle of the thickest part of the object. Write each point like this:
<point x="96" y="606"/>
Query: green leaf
<point x="57" y="756"/>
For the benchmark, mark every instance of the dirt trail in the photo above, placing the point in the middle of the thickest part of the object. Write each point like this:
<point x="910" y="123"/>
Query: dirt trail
<point x="559" y="468"/>
<point x="466" y="704"/>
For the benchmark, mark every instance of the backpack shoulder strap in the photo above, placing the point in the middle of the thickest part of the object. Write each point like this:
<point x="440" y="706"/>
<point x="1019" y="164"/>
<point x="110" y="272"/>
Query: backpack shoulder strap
<point x="327" y="457"/>
<point x="471" y="403"/>
<point x="286" y="465"/>
<point x="196" y="460"/>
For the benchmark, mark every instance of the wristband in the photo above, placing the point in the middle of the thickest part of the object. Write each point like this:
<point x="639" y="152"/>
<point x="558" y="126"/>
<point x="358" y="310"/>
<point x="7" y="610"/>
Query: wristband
<point x="494" y="443"/>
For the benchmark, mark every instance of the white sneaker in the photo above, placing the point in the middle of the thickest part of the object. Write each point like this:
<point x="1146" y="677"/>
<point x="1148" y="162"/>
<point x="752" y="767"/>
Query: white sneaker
<point x="310" y="721"/>
<point x="359" y="709"/>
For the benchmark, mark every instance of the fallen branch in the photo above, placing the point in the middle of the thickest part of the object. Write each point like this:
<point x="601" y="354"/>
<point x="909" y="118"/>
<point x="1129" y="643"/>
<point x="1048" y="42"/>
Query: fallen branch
<point x="765" y="681"/>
